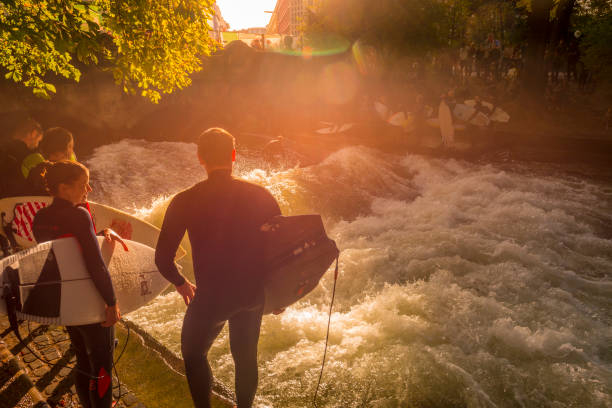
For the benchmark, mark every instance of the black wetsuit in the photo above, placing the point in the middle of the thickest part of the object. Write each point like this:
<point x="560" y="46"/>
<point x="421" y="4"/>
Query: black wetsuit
<point x="93" y="344"/>
<point x="222" y="216"/>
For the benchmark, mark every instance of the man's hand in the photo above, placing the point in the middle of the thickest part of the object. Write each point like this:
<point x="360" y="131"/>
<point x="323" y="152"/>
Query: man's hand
<point x="113" y="315"/>
<point x="187" y="291"/>
<point x="110" y="236"/>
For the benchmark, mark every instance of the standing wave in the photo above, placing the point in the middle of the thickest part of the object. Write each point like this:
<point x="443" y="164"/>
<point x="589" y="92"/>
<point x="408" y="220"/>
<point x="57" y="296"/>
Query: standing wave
<point x="461" y="284"/>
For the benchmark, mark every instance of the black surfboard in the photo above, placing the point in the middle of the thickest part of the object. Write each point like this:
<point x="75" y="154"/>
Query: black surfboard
<point x="297" y="254"/>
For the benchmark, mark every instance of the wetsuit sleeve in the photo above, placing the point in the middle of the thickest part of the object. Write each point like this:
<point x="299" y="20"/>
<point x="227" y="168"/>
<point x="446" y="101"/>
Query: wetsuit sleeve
<point x="84" y="232"/>
<point x="170" y="237"/>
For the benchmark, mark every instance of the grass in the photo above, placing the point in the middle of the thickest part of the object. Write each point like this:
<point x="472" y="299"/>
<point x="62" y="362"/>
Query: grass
<point x="146" y="374"/>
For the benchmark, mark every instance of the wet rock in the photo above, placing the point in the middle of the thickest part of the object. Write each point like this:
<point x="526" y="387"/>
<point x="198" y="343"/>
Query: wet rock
<point x="129" y="399"/>
<point x="52" y="354"/>
<point x="64" y="371"/>
<point x="49" y="389"/>
<point x="64" y="347"/>
<point x="29" y="357"/>
<point x="35" y="364"/>
<point x="39" y="372"/>
<point x="42" y="340"/>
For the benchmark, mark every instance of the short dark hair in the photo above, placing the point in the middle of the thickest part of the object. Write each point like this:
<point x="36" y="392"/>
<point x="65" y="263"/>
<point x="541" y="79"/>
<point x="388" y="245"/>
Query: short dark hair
<point x="55" y="139"/>
<point x="25" y="126"/>
<point x="63" y="172"/>
<point x="215" y="146"/>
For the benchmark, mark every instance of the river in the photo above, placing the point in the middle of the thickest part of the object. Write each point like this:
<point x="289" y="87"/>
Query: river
<point x="461" y="284"/>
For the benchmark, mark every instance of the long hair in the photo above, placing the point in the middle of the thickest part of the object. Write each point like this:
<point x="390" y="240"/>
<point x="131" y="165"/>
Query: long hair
<point x="63" y="172"/>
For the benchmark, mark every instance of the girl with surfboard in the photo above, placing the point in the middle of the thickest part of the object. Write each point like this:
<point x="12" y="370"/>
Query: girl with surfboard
<point x="68" y="182"/>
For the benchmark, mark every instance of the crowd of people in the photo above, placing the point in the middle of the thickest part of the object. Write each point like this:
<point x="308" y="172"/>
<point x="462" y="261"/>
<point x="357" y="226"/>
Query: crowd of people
<point x="222" y="216"/>
<point x="491" y="60"/>
<point x="26" y="155"/>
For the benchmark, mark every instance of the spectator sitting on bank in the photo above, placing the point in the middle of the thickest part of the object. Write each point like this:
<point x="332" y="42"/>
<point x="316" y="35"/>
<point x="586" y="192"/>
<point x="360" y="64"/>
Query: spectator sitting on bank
<point x="57" y="144"/>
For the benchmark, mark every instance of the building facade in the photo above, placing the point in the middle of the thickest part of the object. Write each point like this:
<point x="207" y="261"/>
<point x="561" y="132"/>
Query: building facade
<point x="217" y="24"/>
<point x="289" y="16"/>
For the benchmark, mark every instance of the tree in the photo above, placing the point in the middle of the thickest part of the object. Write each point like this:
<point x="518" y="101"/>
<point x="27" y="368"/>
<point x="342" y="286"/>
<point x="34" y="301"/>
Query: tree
<point x="405" y="27"/>
<point x="152" y="45"/>
<point x="538" y="31"/>
<point x="596" y="40"/>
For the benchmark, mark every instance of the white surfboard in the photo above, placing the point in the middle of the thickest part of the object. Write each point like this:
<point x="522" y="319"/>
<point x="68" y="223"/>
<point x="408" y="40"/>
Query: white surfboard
<point x="472" y="103"/>
<point x="468" y="114"/>
<point x="381" y="109"/>
<point x="53" y="285"/>
<point x="405" y="120"/>
<point x="334" y="128"/>
<point x="19" y="214"/>
<point x="498" y="115"/>
<point x="435" y="123"/>
<point x="445" y="119"/>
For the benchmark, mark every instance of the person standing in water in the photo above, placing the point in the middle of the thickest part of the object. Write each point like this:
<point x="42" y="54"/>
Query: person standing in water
<point x="68" y="183"/>
<point x="222" y="216"/>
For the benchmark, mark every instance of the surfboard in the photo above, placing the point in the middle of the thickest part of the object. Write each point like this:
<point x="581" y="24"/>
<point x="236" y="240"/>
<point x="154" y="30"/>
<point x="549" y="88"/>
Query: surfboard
<point x="18" y="215"/>
<point x="52" y="284"/>
<point x="435" y="123"/>
<point x="381" y="110"/>
<point x="297" y="253"/>
<point x="334" y="128"/>
<point x="498" y="115"/>
<point x="401" y="119"/>
<point x="445" y="120"/>
<point x="468" y="114"/>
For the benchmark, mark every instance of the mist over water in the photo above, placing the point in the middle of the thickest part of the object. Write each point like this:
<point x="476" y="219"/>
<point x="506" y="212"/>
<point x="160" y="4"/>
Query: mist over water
<point x="460" y="284"/>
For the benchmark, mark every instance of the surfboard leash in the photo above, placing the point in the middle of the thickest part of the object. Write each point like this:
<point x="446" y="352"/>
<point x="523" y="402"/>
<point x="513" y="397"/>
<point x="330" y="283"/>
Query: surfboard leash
<point x="331" y="305"/>
<point x="91" y="377"/>
<point x="127" y="339"/>
<point x="11" y="306"/>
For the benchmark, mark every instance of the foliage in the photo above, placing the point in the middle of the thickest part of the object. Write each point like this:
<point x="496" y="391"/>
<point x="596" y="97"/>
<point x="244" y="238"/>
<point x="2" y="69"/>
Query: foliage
<point x="596" y="45"/>
<point x="416" y="25"/>
<point x="149" y="44"/>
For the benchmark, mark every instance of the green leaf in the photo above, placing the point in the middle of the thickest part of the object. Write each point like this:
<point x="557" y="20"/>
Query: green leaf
<point x="41" y="93"/>
<point x="50" y="88"/>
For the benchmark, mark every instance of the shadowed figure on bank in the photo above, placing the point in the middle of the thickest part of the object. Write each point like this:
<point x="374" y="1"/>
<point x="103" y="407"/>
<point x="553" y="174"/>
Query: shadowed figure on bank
<point x="222" y="216"/>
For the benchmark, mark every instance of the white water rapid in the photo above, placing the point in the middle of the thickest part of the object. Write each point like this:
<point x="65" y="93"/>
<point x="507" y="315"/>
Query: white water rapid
<point x="461" y="284"/>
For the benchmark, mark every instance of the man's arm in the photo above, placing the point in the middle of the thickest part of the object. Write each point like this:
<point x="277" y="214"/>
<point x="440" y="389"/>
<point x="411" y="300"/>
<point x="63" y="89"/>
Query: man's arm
<point x="172" y="232"/>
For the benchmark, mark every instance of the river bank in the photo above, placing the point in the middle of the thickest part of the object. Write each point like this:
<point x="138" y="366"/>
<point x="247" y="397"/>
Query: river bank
<point x="149" y="374"/>
<point x="270" y="94"/>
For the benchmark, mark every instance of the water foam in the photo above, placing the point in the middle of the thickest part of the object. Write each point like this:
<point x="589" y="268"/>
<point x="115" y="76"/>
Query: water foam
<point x="461" y="284"/>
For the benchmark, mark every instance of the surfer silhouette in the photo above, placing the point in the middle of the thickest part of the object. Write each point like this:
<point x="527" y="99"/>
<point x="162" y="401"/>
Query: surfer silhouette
<point x="222" y="216"/>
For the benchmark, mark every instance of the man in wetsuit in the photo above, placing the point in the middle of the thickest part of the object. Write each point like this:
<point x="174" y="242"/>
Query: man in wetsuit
<point x="222" y="216"/>
<point x="17" y="156"/>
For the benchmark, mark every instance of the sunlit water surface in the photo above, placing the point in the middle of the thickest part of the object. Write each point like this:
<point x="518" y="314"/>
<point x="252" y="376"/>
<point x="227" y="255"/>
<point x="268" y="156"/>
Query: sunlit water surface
<point x="461" y="284"/>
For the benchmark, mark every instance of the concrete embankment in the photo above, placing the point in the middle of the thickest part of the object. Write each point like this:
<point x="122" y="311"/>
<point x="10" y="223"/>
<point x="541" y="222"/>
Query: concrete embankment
<point x="147" y="374"/>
